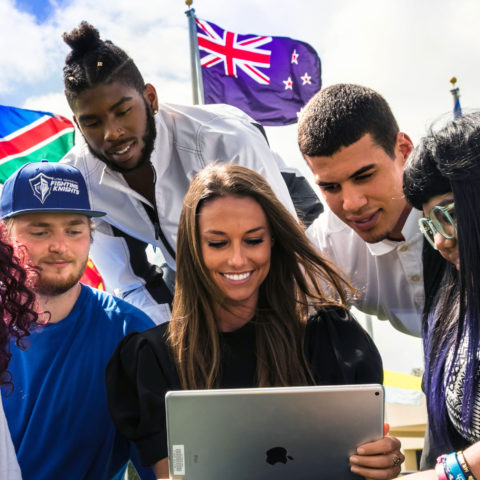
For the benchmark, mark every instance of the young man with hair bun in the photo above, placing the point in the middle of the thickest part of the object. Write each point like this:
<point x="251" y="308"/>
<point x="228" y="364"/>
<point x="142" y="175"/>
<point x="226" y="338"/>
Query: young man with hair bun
<point x="139" y="156"/>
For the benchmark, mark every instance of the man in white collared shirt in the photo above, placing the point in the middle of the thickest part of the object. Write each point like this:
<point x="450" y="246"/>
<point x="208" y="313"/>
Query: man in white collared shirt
<point x="352" y="143"/>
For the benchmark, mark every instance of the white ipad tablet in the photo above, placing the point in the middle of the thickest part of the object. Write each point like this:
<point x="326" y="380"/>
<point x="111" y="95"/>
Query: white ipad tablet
<point x="294" y="433"/>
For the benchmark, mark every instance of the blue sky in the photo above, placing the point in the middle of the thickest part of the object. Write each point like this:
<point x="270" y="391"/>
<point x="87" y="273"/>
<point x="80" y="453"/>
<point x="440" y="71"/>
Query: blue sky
<point x="405" y="49"/>
<point x="41" y="9"/>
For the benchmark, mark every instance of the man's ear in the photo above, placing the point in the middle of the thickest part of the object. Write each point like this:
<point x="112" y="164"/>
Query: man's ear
<point x="150" y="95"/>
<point x="404" y="145"/>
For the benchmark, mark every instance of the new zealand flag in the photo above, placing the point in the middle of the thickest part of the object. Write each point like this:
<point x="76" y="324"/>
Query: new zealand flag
<point x="269" y="78"/>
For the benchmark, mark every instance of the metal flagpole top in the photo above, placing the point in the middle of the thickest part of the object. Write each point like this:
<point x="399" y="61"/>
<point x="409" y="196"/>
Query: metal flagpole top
<point x="455" y="91"/>
<point x="197" y="80"/>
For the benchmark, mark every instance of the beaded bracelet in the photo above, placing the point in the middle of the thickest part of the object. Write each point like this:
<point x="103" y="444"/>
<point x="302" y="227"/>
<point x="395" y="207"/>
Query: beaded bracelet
<point x="452" y="467"/>
<point x="467" y="471"/>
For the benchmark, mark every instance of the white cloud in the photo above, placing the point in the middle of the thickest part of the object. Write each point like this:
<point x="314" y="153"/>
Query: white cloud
<point x="26" y="48"/>
<point x="407" y="50"/>
<point x="51" y="102"/>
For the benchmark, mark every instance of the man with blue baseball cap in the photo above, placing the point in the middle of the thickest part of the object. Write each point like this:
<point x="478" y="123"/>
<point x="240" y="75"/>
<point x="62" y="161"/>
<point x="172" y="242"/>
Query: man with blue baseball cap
<point x="57" y="414"/>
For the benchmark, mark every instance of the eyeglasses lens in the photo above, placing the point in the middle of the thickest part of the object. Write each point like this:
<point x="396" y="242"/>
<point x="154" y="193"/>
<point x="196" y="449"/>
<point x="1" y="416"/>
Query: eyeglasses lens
<point x="427" y="231"/>
<point x="443" y="222"/>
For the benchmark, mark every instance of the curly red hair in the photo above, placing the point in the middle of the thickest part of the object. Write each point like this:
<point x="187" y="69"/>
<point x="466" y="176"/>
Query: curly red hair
<point x="17" y="303"/>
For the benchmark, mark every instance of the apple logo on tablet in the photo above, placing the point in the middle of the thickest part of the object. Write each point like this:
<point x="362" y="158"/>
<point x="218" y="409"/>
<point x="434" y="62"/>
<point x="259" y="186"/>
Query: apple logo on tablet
<point x="277" y="455"/>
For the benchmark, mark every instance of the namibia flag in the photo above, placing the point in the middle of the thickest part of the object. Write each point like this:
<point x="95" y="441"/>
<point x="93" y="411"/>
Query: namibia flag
<point x="31" y="136"/>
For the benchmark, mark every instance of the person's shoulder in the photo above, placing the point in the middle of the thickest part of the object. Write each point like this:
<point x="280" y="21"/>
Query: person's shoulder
<point x="339" y="349"/>
<point x="335" y="325"/>
<point x="330" y="313"/>
<point x="334" y="320"/>
<point x="203" y="113"/>
<point x="154" y="337"/>
<point x="81" y="157"/>
<point x="327" y="228"/>
<point x="116" y="310"/>
<point x="328" y="223"/>
<point x="144" y="344"/>
<point x="208" y="126"/>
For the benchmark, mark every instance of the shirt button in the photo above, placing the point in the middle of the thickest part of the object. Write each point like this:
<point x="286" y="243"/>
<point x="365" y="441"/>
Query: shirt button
<point x="404" y="248"/>
<point x="415" y="278"/>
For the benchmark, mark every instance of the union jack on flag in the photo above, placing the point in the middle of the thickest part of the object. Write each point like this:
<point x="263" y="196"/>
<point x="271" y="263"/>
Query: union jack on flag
<point x="233" y="53"/>
<point x="270" y="78"/>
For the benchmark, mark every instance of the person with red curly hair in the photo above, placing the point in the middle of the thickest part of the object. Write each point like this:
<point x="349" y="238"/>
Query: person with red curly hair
<point x="17" y="310"/>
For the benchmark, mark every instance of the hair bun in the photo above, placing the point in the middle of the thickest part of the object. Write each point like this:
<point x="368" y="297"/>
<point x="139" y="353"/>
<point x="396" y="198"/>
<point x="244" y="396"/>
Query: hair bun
<point x="82" y="39"/>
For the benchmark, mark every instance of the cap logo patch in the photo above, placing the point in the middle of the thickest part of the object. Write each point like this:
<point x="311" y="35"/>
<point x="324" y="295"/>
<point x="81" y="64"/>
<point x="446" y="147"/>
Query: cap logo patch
<point x="43" y="185"/>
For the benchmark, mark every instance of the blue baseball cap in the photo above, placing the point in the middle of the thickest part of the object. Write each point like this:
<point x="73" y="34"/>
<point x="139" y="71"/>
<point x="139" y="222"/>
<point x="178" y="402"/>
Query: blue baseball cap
<point x="46" y="187"/>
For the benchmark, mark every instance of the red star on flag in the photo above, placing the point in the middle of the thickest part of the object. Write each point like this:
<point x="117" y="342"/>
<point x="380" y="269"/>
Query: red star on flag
<point x="295" y="56"/>
<point x="306" y="79"/>
<point x="288" y="83"/>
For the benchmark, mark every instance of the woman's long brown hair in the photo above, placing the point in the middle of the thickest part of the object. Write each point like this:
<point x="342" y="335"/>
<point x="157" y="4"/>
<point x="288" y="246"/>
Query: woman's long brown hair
<point x="298" y="277"/>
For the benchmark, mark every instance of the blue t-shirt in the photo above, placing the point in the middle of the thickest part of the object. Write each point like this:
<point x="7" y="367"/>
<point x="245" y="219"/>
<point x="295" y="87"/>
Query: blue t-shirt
<point x="57" y="413"/>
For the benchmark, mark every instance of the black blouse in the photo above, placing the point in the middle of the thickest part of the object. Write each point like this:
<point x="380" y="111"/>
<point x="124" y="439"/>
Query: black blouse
<point x="141" y="371"/>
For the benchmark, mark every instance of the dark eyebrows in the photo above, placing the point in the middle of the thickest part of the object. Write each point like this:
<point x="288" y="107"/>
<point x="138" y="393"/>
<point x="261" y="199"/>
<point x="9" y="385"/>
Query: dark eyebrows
<point x="325" y="184"/>
<point x="120" y="102"/>
<point x="357" y="173"/>
<point x="83" y="118"/>
<point x="445" y="201"/>
<point x="219" y="232"/>
<point x="362" y="170"/>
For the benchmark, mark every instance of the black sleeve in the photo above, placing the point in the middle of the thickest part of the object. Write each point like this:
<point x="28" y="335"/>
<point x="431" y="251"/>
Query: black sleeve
<point x="340" y="351"/>
<point x="138" y="376"/>
<point x="307" y="204"/>
<point x="306" y="201"/>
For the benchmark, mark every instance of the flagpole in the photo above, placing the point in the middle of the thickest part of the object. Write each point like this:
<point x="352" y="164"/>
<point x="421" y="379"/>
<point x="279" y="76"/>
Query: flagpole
<point x="455" y="91"/>
<point x="197" y="80"/>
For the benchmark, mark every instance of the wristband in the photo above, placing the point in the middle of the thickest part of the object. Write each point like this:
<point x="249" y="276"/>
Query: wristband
<point x="440" y="469"/>
<point x="467" y="472"/>
<point x="452" y="467"/>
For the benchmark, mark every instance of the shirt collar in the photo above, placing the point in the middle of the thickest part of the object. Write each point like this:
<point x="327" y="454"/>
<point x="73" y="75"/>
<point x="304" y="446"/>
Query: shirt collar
<point x="410" y="232"/>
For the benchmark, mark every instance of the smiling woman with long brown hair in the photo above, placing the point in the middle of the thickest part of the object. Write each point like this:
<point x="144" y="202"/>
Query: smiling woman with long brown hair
<point x="247" y="279"/>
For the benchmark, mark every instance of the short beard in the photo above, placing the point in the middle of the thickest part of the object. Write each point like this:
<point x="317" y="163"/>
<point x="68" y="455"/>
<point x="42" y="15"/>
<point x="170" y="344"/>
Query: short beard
<point x="54" y="288"/>
<point x="148" y="141"/>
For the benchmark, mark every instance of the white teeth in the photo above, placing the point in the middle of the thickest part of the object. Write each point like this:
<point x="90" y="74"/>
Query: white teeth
<point x="365" y="220"/>
<point x="241" y="276"/>
<point x="123" y="150"/>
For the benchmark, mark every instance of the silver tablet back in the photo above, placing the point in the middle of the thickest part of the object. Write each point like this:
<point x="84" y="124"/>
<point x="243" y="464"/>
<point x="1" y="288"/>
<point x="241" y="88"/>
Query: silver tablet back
<point x="301" y="433"/>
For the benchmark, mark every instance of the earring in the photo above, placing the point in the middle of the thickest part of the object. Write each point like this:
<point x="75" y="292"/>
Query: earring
<point x="155" y="112"/>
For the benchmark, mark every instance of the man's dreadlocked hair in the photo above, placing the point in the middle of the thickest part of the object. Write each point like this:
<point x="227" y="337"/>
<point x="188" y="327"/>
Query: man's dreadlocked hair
<point x="93" y="61"/>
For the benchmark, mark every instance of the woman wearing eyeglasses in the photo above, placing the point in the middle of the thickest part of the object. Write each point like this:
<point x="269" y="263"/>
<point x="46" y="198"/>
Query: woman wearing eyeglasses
<point x="442" y="178"/>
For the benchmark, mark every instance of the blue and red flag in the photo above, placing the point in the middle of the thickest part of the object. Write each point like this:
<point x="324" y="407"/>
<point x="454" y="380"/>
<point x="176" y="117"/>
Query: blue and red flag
<point x="269" y="78"/>
<point x="31" y="136"/>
